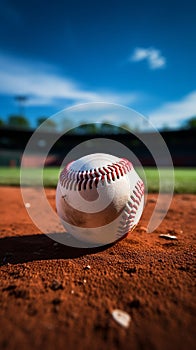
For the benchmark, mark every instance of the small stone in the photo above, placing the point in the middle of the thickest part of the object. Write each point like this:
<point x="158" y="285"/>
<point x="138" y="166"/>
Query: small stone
<point x="72" y="291"/>
<point x="168" y="236"/>
<point x="84" y="281"/>
<point x="27" y="205"/>
<point x="121" y="317"/>
<point x="87" y="267"/>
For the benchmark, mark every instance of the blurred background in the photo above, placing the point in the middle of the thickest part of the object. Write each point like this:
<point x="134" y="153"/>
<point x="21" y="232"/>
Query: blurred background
<point x="54" y="55"/>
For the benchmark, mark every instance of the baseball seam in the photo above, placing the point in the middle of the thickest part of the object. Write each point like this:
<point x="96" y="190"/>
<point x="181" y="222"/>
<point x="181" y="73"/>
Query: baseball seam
<point x="130" y="210"/>
<point x="82" y="180"/>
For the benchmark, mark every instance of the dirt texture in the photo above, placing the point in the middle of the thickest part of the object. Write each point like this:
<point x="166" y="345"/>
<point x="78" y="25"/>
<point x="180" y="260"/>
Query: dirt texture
<point x="57" y="297"/>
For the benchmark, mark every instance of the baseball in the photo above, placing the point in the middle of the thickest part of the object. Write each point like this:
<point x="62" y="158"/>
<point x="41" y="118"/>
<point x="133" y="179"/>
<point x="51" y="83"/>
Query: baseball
<point x="99" y="198"/>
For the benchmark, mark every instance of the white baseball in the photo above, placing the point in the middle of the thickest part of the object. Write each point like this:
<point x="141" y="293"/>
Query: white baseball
<point x="99" y="198"/>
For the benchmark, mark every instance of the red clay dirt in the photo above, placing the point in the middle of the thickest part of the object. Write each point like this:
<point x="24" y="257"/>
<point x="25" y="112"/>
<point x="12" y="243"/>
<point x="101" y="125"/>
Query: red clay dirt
<point x="50" y="299"/>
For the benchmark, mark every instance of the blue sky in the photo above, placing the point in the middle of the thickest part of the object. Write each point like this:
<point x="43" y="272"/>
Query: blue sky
<point x="139" y="54"/>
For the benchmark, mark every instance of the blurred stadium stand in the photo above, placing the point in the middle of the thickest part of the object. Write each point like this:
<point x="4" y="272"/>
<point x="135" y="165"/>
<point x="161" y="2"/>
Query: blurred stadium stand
<point x="181" y="145"/>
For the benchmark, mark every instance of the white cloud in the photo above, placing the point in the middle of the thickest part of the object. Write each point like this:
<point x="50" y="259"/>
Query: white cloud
<point x="124" y="98"/>
<point x="44" y="85"/>
<point x="153" y="56"/>
<point x="173" y="114"/>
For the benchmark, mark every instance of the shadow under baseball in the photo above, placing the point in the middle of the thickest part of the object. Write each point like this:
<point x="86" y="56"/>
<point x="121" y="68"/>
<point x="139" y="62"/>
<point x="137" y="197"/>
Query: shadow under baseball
<point x="21" y="249"/>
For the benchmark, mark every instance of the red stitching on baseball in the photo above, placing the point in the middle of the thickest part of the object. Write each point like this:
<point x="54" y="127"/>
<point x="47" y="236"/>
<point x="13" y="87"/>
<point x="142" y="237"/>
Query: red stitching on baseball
<point x="119" y="167"/>
<point x="130" y="210"/>
<point x="78" y="180"/>
<point x="101" y="171"/>
<point x="113" y="169"/>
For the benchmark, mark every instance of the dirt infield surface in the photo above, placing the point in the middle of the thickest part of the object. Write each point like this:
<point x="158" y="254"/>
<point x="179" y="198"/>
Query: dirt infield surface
<point x="57" y="297"/>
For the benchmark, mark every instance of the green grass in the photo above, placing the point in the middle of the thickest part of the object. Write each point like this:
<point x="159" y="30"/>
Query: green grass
<point x="30" y="176"/>
<point x="185" y="178"/>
